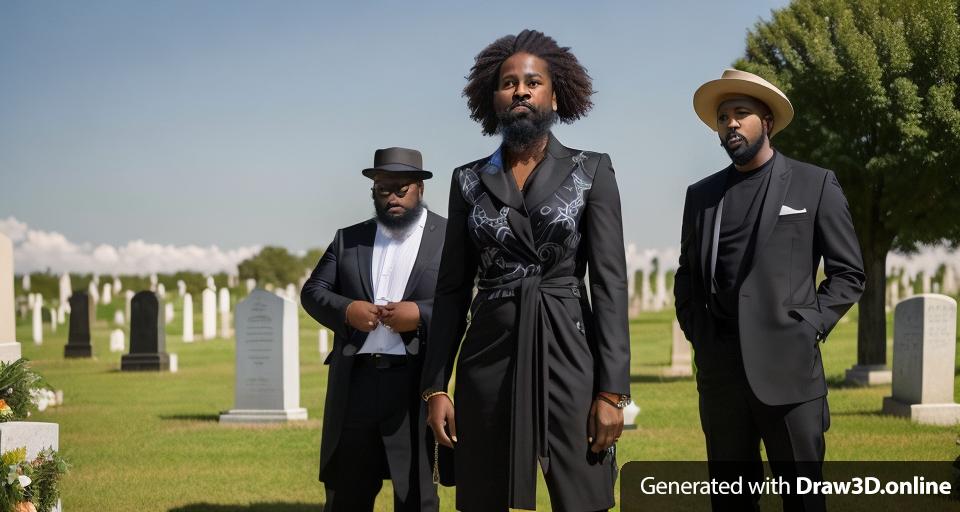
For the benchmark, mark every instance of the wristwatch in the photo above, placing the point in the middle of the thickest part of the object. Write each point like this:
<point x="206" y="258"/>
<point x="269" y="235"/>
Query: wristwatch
<point x="622" y="400"/>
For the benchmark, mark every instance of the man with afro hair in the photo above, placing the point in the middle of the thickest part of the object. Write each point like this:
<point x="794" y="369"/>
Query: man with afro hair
<point x="543" y="372"/>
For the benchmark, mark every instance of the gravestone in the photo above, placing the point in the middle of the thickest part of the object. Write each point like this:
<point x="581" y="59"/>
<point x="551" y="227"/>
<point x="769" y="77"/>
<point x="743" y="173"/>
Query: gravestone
<point x="38" y="320"/>
<point x="117" y="341"/>
<point x="680" y="356"/>
<point x="209" y="309"/>
<point x="211" y="284"/>
<point x="9" y="348"/>
<point x="324" y="343"/>
<point x="93" y="292"/>
<point x="153" y="282"/>
<point x="161" y="290"/>
<point x="117" y="285"/>
<point x="127" y="297"/>
<point x="181" y="287"/>
<point x="33" y="435"/>
<point x="148" y="339"/>
<point x="118" y="317"/>
<point x="187" y="318"/>
<point x="646" y="296"/>
<point x="25" y="282"/>
<point x="168" y="313"/>
<point x="53" y="320"/>
<point x="107" y="295"/>
<point x="223" y="306"/>
<point x="251" y="284"/>
<point x="268" y="361"/>
<point x="81" y="318"/>
<point x="66" y="290"/>
<point x="924" y="350"/>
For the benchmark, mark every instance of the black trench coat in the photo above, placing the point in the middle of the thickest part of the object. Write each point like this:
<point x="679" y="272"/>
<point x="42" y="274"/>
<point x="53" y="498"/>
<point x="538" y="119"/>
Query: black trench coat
<point x="535" y="353"/>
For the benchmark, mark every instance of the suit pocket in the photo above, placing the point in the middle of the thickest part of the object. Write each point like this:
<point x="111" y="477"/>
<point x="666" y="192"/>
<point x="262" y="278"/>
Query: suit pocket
<point x="796" y="217"/>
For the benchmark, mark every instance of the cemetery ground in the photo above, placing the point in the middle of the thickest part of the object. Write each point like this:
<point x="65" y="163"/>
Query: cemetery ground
<point x="151" y="441"/>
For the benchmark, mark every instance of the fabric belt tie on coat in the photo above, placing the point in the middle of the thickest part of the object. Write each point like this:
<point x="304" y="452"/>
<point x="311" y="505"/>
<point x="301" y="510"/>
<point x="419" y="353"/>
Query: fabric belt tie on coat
<point x="531" y="393"/>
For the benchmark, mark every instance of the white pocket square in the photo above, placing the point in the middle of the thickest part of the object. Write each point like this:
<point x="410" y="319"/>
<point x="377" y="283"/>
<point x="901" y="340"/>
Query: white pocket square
<point x="786" y="210"/>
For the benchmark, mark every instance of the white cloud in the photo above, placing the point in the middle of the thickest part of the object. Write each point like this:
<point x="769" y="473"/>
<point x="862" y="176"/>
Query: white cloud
<point x="35" y="250"/>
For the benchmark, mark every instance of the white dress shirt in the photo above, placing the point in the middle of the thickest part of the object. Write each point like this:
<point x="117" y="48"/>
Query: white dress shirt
<point x="393" y="257"/>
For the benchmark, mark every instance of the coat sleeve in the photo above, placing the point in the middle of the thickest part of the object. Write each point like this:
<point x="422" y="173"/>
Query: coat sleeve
<point x="842" y="262"/>
<point x="458" y="268"/>
<point x="682" y="283"/>
<point x="608" y="281"/>
<point x="319" y="295"/>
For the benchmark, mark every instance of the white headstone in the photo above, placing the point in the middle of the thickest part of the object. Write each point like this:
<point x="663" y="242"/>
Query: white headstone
<point x="211" y="284"/>
<point x="62" y="314"/>
<point x="324" y="343"/>
<point x="949" y="280"/>
<point x="34" y="435"/>
<point x="117" y="285"/>
<point x="680" y="355"/>
<point x="209" y="309"/>
<point x="645" y="293"/>
<point x="168" y="312"/>
<point x="633" y="265"/>
<point x="291" y="293"/>
<point x="268" y="361"/>
<point x="251" y="284"/>
<point x="181" y="288"/>
<point x="118" y="318"/>
<point x="94" y="293"/>
<point x="894" y="294"/>
<point x="174" y="363"/>
<point x="153" y="282"/>
<point x="25" y="282"/>
<point x="107" y="296"/>
<point x="38" y="320"/>
<point x="924" y="350"/>
<point x="117" y="341"/>
<point x="161" y="290"/>
<point x="660" y="297"/>
<point x="31" y="298"/>
<point x="66" y="290"/>
<point x="53" y="320"/>
<point x="231" y="280"/>
<point x="925" y="282"/>
<point x="128" y="298"/>
<point x="223" y="306"/>
<point x="187" y="318"/>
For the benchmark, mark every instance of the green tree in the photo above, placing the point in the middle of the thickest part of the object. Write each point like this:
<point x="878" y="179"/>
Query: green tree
<point x="272" y="265"/>
<point x="874" y="84"/>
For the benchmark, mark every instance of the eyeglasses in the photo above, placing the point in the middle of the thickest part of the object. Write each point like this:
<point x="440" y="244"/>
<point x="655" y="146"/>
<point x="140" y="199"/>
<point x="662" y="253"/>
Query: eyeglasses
<point x="385" y="190"/>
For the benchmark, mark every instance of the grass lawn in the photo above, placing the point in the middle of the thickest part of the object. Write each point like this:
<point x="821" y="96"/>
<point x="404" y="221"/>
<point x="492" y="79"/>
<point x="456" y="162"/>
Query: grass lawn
<point x="147" y="441"/>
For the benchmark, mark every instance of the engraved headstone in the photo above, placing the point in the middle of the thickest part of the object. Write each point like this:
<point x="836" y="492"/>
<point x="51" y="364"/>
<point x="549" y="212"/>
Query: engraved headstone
<point x="268" y="361"/>
<point x="81" y="317"/>
<point x="148" y="339"/>
<point x="924" y="350"/>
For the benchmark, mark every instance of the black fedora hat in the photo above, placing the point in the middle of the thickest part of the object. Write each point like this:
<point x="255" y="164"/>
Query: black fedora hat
<point x="399" y="161"/>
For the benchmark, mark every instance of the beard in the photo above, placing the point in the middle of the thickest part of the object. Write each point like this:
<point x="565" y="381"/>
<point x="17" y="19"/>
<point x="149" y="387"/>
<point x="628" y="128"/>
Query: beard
<point x="745" y="152"/>
<point x="521" y="130"/>
<point x="400" y="223"/>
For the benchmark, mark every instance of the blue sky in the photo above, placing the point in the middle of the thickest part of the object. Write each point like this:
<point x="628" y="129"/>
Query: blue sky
<point x="247" y="123"/>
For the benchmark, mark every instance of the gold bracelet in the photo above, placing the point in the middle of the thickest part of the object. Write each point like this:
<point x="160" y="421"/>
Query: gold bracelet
<point x="427" y="395"/>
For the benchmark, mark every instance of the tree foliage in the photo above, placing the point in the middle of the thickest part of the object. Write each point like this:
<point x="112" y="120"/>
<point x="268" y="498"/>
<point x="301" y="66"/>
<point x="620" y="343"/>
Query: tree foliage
<point x="874" y="84"/>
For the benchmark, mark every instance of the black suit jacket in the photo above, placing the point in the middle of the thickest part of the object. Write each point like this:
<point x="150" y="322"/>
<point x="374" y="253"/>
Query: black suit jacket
<point x="342" y="276"/>
<point x="782" y="314"/>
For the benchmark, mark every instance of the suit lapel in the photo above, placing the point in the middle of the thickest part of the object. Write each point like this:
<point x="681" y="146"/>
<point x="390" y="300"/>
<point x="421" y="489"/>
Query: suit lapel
<point x="429" y="245"/>
<point x="365" y="257"/>
<point x="776" y="192"/>
<point x="714" y="194"/>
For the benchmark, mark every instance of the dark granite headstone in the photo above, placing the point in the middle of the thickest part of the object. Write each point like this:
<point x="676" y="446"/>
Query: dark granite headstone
<point x="81" y="317"/>
<point x="148" y="341"/>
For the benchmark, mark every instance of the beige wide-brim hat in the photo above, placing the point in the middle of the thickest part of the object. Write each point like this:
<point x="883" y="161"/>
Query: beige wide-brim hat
<point x="735" y="83"/>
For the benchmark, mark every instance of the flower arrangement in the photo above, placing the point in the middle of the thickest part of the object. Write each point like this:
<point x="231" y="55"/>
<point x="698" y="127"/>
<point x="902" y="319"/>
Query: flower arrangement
<point x="30" y="485"/>
<point x="21" y="390"/>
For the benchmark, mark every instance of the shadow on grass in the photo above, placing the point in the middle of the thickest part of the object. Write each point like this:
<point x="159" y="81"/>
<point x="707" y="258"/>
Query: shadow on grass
<point x="254" y="507"/>
<point x="840" y="382"/>
<point x="191" y="417"/>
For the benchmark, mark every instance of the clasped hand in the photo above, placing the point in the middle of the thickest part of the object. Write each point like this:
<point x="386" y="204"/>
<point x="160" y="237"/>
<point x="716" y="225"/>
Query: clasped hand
<point x="397" y="316"/>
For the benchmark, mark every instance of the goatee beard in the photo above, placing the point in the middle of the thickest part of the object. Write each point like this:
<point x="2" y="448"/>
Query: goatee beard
<point x="399" y="224"/>
<point x="743" y="154"/>
<point x="523" y="131"/>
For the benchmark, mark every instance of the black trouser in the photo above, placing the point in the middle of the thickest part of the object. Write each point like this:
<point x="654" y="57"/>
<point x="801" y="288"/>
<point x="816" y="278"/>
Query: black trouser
<point x="734" y="422"/>
<point x="378" y="408"/>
